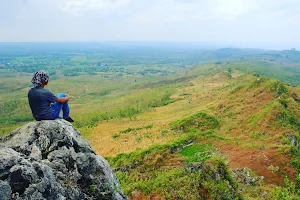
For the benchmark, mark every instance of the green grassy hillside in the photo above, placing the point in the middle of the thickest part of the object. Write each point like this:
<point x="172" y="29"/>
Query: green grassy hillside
<point x="250" y="124"/>
<point x="180" y="124"/>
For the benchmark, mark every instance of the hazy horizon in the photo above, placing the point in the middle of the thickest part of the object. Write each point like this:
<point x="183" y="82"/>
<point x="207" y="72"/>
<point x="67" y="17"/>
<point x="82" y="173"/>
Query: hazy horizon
<point x="155" y="44"/>
<point x="222" y="23"/>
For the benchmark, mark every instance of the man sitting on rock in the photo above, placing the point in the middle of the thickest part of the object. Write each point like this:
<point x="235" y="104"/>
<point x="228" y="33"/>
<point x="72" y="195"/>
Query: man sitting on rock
<point x="43" y="103"/>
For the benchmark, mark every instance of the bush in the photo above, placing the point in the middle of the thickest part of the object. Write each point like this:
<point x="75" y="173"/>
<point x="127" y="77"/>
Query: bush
<point x="287" y="119"/>
<point x="288" y="192"/>
<point x="209" y="182"/>
<point x="200" y="120"/>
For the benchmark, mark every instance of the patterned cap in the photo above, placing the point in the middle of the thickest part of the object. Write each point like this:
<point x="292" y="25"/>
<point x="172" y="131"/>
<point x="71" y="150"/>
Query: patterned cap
<point x="39" y="78"/>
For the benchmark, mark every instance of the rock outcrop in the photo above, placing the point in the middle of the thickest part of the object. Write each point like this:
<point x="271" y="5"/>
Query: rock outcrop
<point x="50" y="160"/>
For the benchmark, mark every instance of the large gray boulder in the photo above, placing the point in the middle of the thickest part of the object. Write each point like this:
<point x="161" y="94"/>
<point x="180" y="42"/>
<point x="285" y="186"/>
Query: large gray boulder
<point x="50" y="160"/>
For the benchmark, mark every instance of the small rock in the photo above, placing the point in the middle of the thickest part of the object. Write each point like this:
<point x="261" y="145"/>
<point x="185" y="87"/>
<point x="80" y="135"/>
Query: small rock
<point x="293" y="138"/>
<point x="244" y="176"/>
<point x="264" y="195"/>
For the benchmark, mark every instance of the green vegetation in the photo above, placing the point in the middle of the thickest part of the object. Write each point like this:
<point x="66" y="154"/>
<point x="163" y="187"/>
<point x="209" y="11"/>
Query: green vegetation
<point x="257" y="135"/>
<point x="92" y="188"/>
<point x="200" y="120"/>
<point x="14" y="111"/>
<point x="138" y="157"/>
<point x="178" y="183"/>
<point x="186" y="95"/>
<point x="129" y="130"/>
<point x="262" y="66"/>
<point x="295" y="151"/>
<point x="164" y="132"/>
<point x="197" y="152"/>
<point x="207" y="177"/>
<point x="136" y="129"/>
<point x="288" y="192"/>
<point x="287" y="119"/>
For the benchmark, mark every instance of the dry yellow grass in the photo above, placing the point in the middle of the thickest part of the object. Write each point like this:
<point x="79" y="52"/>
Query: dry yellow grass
<point x="102" y="141"/>
<point x="213" y="95"/>
<point x="194" y="97"/>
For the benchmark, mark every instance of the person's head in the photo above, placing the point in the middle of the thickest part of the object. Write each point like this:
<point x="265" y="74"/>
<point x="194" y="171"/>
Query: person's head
<point x="40" y="78"/>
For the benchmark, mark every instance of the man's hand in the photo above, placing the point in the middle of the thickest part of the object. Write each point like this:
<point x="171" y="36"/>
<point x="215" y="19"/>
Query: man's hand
<point x="63" y="99"/>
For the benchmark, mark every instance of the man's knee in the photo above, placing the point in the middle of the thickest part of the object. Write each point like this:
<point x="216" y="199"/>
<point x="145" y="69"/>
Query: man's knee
<point x="61" y="95"/>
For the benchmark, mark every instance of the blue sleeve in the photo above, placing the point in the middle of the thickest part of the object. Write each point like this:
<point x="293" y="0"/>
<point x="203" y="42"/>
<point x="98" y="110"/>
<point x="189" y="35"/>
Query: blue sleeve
<point x="51" y="97"/>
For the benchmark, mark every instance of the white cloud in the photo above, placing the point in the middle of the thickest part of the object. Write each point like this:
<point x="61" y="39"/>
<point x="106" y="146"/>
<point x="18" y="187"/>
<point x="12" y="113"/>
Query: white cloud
<point x="80" y="7"/>
<point x="179" y="20"/>
<point x="157" y="11"/>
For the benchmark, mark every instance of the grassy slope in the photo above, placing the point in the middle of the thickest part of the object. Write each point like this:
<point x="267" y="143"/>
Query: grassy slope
<point x="162" y="172"/>
<point x="107" y="95"/>
<point x="255" y="113"/>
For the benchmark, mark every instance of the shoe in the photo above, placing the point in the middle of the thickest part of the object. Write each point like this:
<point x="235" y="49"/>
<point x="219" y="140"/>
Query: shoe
<point x="69" y="119"/>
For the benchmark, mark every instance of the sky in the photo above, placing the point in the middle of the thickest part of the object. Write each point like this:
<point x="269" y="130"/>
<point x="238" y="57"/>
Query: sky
<point x="242" y="23"/>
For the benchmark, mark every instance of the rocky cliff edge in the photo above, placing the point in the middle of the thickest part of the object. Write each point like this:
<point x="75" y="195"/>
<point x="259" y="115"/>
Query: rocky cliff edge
<point x="50" y="160"/>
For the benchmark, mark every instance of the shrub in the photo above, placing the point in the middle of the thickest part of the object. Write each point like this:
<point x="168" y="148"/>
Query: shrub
<point x="210" y="181"/>
<point x="115" y="135"/>
<point x="287" y="119"/>
<point x="164" y="132"/>
<point x="200" y="120"/>
<point x="288" y="192"/>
